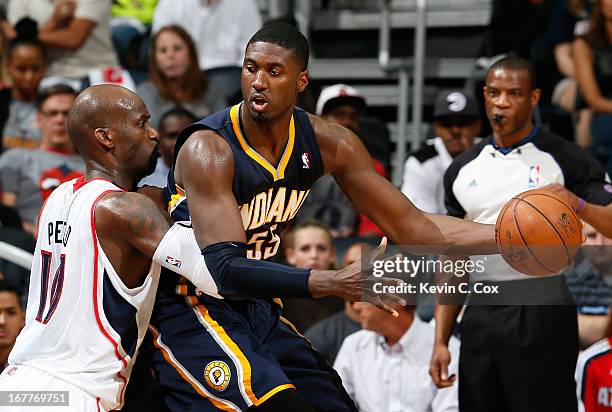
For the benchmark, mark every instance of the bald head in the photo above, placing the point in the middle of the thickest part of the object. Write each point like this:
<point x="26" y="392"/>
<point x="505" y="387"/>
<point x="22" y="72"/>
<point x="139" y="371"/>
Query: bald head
<point x="101" y="106"/>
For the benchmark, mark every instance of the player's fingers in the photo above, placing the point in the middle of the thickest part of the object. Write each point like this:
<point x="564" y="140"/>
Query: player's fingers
<point x="378" y="252"/>
<point x="443" y="370"/>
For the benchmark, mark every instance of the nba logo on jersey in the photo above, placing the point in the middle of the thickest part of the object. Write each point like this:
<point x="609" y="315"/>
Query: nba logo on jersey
<point x="173" y="261"/>
<point x="534" y="177"/>
<point x="305" y="160"/>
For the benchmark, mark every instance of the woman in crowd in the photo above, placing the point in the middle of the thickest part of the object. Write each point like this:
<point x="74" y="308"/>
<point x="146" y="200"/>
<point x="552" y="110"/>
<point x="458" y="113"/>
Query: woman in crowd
<point x="593" y="59"/>
<point x="26" y="66"/>
<point x="176" y="79"/>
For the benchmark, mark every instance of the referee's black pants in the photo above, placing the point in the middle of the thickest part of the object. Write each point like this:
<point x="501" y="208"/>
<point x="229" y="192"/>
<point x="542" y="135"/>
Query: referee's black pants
<point x="518" y="358"/>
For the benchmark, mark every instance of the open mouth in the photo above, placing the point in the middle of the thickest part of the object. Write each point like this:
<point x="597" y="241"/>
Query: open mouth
<point x="499" y="119"/>
<point x="259" y="103"/>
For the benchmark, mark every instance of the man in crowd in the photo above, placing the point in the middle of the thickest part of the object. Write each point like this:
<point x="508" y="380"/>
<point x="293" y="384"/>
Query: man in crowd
<point x="384" y="367"/>
<point x="29" y="176"/>
<point x="456" y="124"/>
<point x="346" y="106"/>
<point x="12" y="318"/>
<point x="514" y="357"/>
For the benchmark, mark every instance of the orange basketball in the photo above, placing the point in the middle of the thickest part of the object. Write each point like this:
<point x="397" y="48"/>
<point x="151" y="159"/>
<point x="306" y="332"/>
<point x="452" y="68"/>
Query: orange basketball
<point x="538" y="233"/>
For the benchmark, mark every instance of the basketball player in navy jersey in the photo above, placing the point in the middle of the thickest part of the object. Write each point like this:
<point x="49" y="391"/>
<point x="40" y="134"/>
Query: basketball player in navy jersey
<point x="245" y="172"/>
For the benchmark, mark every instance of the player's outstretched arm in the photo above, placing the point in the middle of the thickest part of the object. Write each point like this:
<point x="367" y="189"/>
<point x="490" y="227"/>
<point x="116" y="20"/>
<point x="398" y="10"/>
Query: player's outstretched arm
<point x="348" y="160"/>
<point x="600" y="217"/>
<point x="205" y="169"/>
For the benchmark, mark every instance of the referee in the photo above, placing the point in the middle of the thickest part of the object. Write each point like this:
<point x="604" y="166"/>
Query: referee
<point x="514" y="357"/>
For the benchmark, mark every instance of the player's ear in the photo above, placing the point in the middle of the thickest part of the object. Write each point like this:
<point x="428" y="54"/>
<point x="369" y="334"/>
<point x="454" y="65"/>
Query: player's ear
<point x="302" y="81"/>
<point x="535" y="97"/>
<point x="103" y="137"/>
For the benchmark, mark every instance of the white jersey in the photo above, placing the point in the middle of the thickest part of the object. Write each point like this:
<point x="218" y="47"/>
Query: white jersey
<point x="83" y="325"/>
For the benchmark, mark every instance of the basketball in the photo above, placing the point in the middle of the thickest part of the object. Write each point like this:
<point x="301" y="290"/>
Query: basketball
<point x="538" y="232"/>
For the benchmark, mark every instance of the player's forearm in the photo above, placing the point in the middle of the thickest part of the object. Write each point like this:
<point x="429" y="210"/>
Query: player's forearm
<point x="600" y="217"/>
<point x="445" y="316"/>
<point x="239" y="277"/>
<point x="449" y="235"/>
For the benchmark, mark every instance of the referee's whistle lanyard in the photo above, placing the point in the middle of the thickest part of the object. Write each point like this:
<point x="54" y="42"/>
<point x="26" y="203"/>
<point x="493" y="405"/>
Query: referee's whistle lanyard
<point x="529" y="137"/>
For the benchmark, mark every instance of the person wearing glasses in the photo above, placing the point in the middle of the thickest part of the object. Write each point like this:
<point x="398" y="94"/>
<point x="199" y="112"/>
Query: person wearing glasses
<point x="29" y="176"/>
<point x="456" y="124"/>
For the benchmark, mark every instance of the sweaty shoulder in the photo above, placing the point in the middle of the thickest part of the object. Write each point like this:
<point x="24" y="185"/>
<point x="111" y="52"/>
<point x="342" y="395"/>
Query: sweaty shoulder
<point x="117" y="210"/>
<point x="338" y="145"/>
<point x="205" y="154"/>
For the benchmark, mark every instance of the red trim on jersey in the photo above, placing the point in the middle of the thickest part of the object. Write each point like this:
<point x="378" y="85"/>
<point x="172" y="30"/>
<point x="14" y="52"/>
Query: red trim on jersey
<point x="80" y="182"/>
<point x="98" y="403"/>
<point x="95" y="291"/>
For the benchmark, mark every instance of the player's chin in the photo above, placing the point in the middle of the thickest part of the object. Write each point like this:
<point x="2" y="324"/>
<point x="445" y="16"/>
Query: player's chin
<point x="259" y="116"/>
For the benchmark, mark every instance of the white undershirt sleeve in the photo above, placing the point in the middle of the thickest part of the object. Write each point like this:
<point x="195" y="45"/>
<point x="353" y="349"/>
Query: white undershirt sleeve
<point x="178" y="251"/>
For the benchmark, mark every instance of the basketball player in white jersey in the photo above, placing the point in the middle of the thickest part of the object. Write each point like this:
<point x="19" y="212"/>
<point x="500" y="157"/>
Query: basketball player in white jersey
<point x="93" y="283"/>
<point x="97" y="264"/>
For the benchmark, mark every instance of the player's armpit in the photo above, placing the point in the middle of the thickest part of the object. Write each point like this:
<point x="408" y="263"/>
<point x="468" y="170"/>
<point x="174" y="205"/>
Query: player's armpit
<point x="128" y="218"/>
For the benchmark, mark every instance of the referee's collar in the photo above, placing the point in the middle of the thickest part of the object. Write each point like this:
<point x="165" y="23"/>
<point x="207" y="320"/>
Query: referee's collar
<point x="524" y="140"/>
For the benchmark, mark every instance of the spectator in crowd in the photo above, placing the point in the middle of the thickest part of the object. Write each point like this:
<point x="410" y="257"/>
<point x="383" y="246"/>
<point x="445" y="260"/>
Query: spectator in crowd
<point x="456" y="123"/>
<point x="328" y="334"/>
<point x="26" y="65"/>
<point x="176" y="79"/>
<point x="76" y="33"/>
<point x="384" y="367"/>
<point x="222" y="29"/>
<point x="29" y="176"/>
<point x="593" y="59"/>
<point x="326" y="202"/>
<point x="567" y="20"/>
<point x="496" y="372"/>
<point x="131" y="30"/>
<point x="309" y="246"/>
<point x="12" y="319"/>
<point x="171" y="124"/>
<point x="593" y="377"/>
<point x="591" y="293"/>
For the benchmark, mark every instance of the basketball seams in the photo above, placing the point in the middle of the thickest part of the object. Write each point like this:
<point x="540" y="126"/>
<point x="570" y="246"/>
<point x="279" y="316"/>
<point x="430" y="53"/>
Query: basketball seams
<point x="520" y="232"/>
<point x="551" y="225"/>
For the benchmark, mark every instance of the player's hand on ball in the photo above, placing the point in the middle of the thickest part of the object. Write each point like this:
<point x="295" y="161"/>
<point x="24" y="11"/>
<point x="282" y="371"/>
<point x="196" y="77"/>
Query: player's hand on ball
<point x="438" y="368"/>
<point x="356" y="282"/>
<point x="561" y="190"/>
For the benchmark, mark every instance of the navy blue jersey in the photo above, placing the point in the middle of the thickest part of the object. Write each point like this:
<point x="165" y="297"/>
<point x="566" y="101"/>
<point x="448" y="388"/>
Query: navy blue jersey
<point x="268" y="197"/>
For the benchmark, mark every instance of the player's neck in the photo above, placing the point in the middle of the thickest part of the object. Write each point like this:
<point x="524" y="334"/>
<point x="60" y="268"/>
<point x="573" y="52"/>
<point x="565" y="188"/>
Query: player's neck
<point x="511" y="139"/>
<point x="270" y="135"/>
<point x="97" y="171"/>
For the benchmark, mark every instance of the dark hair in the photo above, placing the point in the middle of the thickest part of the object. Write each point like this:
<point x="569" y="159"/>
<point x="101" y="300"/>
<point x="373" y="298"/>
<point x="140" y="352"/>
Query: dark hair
<point x="516" y="64"/>
<point x="27" y="35"/>
<point x="7" y="287"/>
<point x="179" y="112"/>
<point x="597" y="36"/>
<point x="286" y="36"/>
<point x="51" y="91"/>
<point x="192" y="84"/>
